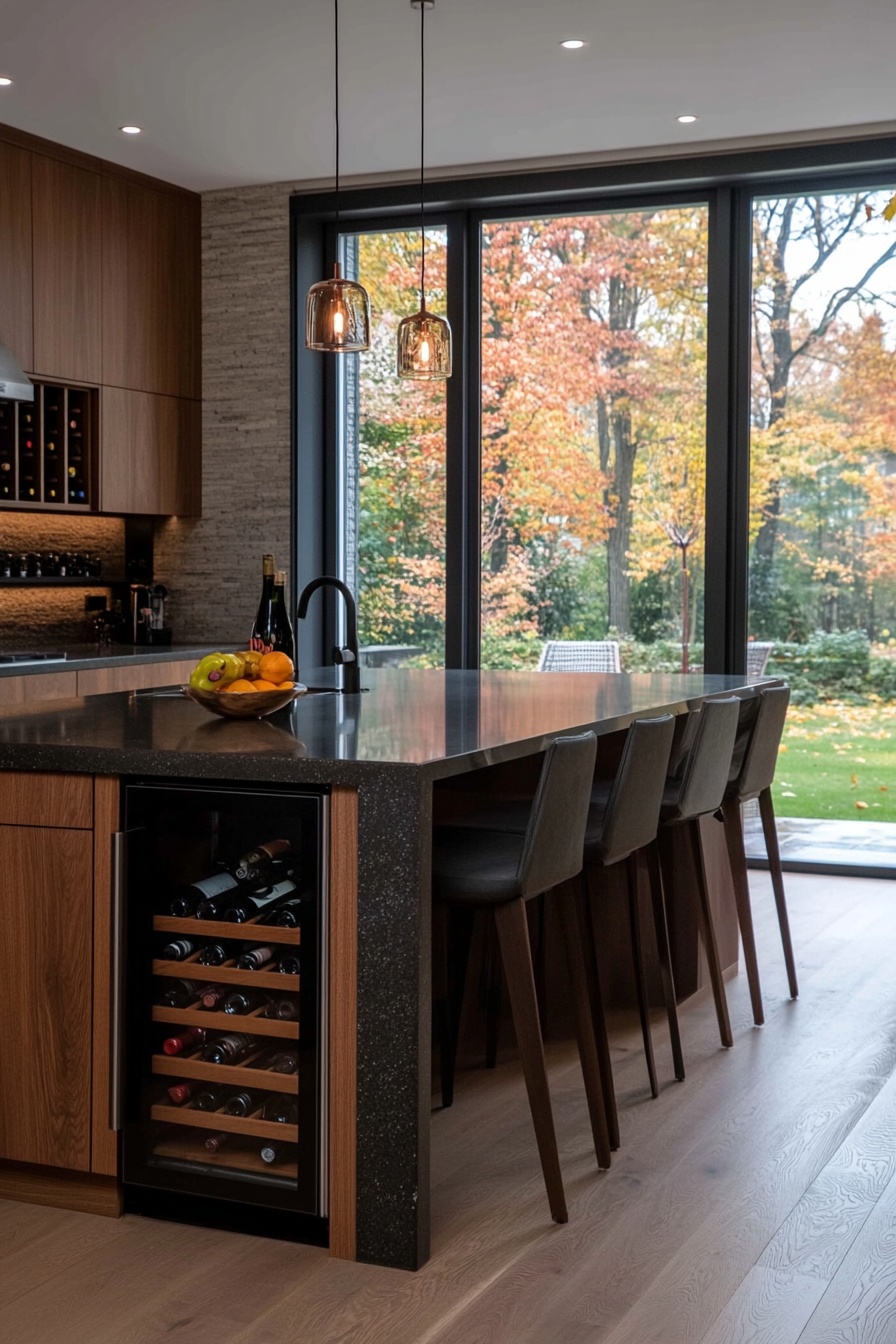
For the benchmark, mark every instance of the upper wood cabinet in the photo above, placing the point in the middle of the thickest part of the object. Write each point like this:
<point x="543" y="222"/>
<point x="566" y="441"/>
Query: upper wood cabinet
<point x="150" y="453"/>
<point x="67" y="275"/>
<point x="151" y="336"/>
<point x="15" y="253"/>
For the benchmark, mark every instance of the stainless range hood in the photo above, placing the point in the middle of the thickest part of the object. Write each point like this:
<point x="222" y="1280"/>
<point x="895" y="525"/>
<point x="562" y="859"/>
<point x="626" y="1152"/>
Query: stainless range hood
<point x="15" y="384"/>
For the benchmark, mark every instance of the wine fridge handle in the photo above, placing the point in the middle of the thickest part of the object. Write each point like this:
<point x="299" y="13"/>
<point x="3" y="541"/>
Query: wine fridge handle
<point x="116" y="1019"/>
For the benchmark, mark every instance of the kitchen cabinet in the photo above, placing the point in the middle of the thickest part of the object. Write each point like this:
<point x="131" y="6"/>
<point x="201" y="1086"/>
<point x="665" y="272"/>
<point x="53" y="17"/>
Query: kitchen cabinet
<point x="151" y="305"/>
<point x="15" y="253"/>
<point x="67" y="271"/>
<point x="48" y="686"/>
<point x="55" y="995"/>
<point x="150" y="453"/>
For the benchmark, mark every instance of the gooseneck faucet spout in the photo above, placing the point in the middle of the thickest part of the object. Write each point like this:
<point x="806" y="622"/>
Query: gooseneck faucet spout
<point x="348" y="654"/>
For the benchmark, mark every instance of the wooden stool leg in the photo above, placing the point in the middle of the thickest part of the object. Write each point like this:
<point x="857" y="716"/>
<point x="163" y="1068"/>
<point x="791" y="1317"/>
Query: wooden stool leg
<point x="737" y="859"/>
<point x="572" y="938"/>
<point x="513" y="936"/>
<point x="494" y="994"/>
<point x="767" y="812"/>
<point x="708" y="932"/>
<point x="541" y="969"/>
<point x="661" y="930"/>
<point x="634" y="919"/>
<point x="597" y="1010"/>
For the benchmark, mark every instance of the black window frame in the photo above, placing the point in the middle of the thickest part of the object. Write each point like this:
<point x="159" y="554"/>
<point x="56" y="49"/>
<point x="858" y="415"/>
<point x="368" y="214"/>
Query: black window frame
<point x="728" y="182"/>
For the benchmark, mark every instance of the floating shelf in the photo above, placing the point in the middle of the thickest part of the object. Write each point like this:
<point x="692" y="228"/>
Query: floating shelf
<point x="54" y="581"/>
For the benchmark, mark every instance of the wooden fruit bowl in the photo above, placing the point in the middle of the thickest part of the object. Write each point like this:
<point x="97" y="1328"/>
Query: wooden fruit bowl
<point x="248" y="705"/>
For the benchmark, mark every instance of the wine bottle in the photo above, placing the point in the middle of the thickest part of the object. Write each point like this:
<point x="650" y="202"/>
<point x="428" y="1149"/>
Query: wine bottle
<point x="189" y="1036"/>
<point x="178" y="993"/>
<point x="255" y="959"/>
<point x="243" y="1102"/>
<point x="258" y="865"/>
<point x="214" y="954"/>
<point x="262" y="637"/>
<point x="181" y="1092"/>
<point x="229" y="1049"/>
<point x="187" y="902"/>
<point x="282" y="1061"/>
<point x="257" y="902"/>
<point x="179" y="950"/>
<point x="211" y="995"/>
<point x="275" y="1151"/>
<point x="286" y="1010"/>
<point x="289" y="964"/>
<point x="284" y="640"/>
<point x="215" y="1142"/>
<point x="209" y="1098"/>
<point x="242" y="1001"/>
<point x="282" y="1110"/>
<point x="288" y="916"/>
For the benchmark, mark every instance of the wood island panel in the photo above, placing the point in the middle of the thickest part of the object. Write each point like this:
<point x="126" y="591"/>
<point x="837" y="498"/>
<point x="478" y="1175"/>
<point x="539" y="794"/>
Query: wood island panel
<point x="46" y="800"/>
<point x="104" y="1141"/>
<point x="46" y="1009"/>
<point x="343" y="1013"/>
<point x="67" y="224"/>
<point x="16" y="331"/>
<point x="47" y="686"/>
<point x="102" y="680"/>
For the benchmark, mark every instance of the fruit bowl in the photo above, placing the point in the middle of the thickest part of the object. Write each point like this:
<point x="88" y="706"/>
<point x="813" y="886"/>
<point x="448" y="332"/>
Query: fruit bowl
<point x="246" y="705"/>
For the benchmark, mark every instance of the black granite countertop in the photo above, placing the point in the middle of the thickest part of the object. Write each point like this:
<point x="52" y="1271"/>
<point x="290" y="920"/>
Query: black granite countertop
<point x="81" y="657"/>
<point x="435" y="723"/>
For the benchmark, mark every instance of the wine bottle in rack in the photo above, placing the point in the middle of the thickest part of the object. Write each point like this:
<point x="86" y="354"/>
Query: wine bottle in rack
<point x="209" y="889"/>
<point x="174" y="1045"/>
<point x="259" y="865"/>
<point x="243" y="1103"/>
<point x="178" y="993"/>
<point x="210" y="1098"/>
<point x="286" y="1010"/>
<point x="255" y="958"/>
<point x="256" y="903"/>
<point x="288" y="916"/>
<point x="214" y="954"/>
<point x="229" y="1049"/>
<point x="242" y="1001"/>
<point x="274" y="1151"/>
<point x="215" y="1142"/>
<point x="281" y="1061"/>
<point x="262" y="637"/>
<point x="179" y="950"/>
<point x="289" y="964"/>
<point x="212" y="995"/>
<point x="181" y="1092"/>
<point x="282" y="1110"/>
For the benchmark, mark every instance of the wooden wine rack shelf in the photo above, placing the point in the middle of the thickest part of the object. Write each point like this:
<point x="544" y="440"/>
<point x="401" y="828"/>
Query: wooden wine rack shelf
<point x="255" y="1024"/>
<point x="228" y="974"/>
<point x="216" y="929"/>
<point x="175" y="1066"/>
<point x="251" y="1125"/>
<point x="186" y="1150"/>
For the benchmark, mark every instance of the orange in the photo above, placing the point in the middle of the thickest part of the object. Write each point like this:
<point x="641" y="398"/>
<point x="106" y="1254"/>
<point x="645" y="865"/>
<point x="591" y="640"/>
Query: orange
<point x="276" y="667"/>
<point x="286" y="686"/>
<point x="241" y="685"/>
<point x="262" y="685"/>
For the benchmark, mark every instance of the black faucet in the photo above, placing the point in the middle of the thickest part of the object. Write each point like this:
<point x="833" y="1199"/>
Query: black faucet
<point x="347" y="656"/>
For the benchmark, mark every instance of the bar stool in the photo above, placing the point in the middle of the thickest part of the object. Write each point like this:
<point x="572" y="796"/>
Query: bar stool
<point x="754" y="780"/>
<point x="697" y="792"/>
<point x="501" y="872"/>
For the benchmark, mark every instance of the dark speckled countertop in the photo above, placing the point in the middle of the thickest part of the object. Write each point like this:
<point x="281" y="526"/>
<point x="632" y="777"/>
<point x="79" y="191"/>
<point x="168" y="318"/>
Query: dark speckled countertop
<point x="438" y="723"/>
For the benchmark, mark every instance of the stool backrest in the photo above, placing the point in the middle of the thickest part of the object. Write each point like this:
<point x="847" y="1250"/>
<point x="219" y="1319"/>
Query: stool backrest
<point x="579" y="655"/>
<point x="761" y="757"/>
<point x="705" y="776"/>
<point x="555" y="835"/>
<point x="633" y="808"/>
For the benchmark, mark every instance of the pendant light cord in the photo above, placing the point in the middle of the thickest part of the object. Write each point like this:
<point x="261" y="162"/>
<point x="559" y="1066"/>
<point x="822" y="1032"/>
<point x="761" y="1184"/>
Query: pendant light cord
<point x="336" y="49"/>
<point x="422" y="159"/>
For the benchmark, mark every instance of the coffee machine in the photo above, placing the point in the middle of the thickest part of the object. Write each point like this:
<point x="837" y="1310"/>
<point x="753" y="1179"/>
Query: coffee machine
<point x="146" y="614"/>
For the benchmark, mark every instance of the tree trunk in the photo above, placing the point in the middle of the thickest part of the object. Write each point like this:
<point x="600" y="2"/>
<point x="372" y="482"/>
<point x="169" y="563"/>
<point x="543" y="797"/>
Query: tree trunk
<point x="620" y="534"/>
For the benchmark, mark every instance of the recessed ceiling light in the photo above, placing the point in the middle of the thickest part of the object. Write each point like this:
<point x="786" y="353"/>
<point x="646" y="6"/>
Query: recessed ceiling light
<point x="686" y="118"/>
<point x="573" y="44"/>
<point x="5" y="80"/>
<point x="131" y="130"/>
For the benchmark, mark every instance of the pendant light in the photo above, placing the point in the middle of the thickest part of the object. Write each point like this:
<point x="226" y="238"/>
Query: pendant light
<point x="424" y="340"/>
<point x="337" y="311"/>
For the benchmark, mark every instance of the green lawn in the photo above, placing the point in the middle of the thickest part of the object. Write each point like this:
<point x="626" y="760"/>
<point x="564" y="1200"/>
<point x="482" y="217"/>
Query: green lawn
<point x="835" y="758"/>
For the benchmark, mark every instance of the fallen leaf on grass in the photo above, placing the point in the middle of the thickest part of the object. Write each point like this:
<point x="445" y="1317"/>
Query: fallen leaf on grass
<point x="860" y="760"/>
<point x="862" y="805"/>
<point x="788" y="795"/>
<point x="882" y="788"/>
<point x="782" y="747"/>
<point x="854" y="779"/>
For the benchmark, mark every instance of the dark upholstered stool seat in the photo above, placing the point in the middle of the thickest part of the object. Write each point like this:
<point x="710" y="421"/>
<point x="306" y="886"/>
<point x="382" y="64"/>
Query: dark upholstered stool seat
<point x="476" y="867"/>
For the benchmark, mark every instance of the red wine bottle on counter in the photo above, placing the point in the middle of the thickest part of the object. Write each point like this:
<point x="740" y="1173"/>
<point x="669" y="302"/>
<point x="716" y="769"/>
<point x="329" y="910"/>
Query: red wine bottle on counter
<point x="286" y="1010"/>
<point x="190" y="1036"/>
<point x="256" y="903"/>
<point x="255" y="959"/>
<point x="262" y="637"/>
<point x="284" y="640"/>
<point x="282" y="1110"/>
<point x="289" y="964"/>
<point x="178" y="993"/>
<point x="188" y="901"/>
<point x="209" y="1098"/>
<point x="242" y="1001"/>
<point x="259" y="864"/>
<point x="229" y="1049"/>
<point x="179" y="950"/>
<point x="243" y="1103"/>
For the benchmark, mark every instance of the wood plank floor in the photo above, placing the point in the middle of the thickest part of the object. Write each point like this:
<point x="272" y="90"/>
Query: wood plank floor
<point x="753" y="1204"/>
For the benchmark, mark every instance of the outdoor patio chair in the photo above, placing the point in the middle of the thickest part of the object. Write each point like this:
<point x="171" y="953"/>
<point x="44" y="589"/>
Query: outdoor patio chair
<point x="579" y="655"/>
<point x="758" y="655"/>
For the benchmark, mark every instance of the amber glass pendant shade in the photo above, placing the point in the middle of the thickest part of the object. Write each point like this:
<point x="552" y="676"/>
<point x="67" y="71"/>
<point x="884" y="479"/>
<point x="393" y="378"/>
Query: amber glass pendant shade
<point x="424" y="348"/>
<point x="337" y="316"/>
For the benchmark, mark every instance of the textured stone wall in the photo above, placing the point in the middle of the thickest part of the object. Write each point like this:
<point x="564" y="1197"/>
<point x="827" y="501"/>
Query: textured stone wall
<point x="44" y="617"/>
<point x="213" y="564"/>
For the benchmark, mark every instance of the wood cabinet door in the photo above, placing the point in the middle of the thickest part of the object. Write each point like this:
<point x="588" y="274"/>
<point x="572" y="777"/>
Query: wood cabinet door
<point x="15" y="254"/>
<point x="67" y="223"/>
<point x="46" y="932"/>
<point x="150" y="453"/>
<point x="150" y="289"/>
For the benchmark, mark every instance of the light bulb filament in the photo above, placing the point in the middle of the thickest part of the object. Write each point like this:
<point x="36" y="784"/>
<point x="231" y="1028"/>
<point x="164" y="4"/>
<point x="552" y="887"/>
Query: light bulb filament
<point x="339" y="323"/>
<point x="424" y="355"/>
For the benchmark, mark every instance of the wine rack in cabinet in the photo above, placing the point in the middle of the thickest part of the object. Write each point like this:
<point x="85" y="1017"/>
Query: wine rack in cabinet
<point x="48" y="449"/>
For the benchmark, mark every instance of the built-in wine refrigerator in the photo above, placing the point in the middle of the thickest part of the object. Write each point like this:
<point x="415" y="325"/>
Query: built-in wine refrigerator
<point x="219" y="967"/>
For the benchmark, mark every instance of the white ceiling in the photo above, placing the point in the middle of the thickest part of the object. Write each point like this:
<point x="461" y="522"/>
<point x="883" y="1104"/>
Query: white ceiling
<point x="240" y="91"/>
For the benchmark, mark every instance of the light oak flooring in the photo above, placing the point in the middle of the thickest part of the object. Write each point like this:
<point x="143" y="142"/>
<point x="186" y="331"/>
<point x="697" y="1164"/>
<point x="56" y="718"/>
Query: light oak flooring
<point x="753" y="1204"/>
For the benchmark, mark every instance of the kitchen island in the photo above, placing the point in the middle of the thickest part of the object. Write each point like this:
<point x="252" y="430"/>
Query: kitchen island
<point x="384" y="755"/>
